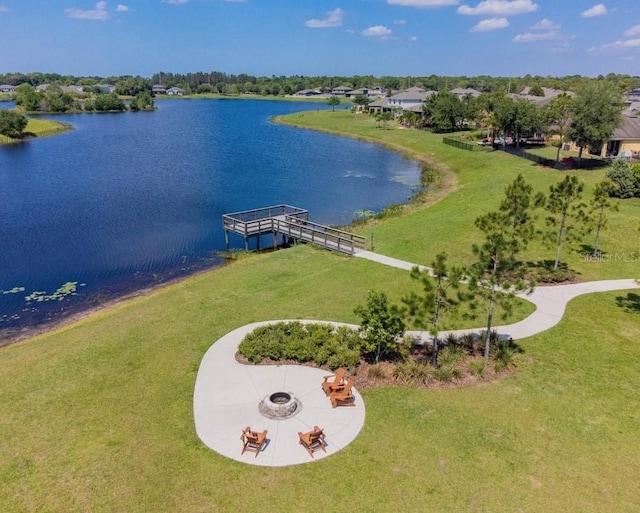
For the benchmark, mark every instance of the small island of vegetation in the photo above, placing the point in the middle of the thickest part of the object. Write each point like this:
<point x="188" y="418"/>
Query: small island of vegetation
<point x="15" y="127"/>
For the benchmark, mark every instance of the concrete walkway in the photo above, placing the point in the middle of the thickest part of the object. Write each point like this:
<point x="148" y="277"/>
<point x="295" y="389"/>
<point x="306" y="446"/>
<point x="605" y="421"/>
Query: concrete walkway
<point x="550" y="301"/>
<point x="227" y="393"/>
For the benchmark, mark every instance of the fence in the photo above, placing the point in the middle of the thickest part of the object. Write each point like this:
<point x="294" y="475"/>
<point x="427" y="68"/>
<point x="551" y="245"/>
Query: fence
<point x="457" y="143"/>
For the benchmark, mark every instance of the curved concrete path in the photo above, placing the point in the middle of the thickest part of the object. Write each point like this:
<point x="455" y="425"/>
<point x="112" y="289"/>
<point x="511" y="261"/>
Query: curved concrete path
<point x="227" y="393"/>
<point x="550" y="301"/>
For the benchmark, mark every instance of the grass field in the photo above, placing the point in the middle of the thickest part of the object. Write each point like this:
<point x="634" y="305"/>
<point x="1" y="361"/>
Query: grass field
<point x="39" y="128"/>
<point x="481" y="178"/>
<point x="97" y="416"/>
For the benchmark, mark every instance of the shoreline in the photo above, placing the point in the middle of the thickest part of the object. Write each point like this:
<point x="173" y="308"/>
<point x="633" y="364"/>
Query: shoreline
<point x="79" y="313"/>
<point x="446" y="184"/>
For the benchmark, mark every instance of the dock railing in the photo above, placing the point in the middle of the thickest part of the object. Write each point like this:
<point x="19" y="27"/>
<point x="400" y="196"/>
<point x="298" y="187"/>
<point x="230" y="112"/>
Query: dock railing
<point x="331" y="238"/>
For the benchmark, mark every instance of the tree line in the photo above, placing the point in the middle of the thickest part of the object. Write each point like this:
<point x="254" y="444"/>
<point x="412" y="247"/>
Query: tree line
<point x="55" y="100"/>
<point x="226" y="83"/>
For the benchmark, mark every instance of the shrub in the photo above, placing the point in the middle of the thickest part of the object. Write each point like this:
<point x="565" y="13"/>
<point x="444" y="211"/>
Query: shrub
<point x="376" y="372"/>
<point x="343" y="358"/>
<point x="478" y="367"/>
<point x="625" y="182"/>
<point x="321" y="343"/>
<point x="504" y="355"/>
<point x="450" y="356"/>
<point x="446" y="373"/>
<point x="413" y="373"/>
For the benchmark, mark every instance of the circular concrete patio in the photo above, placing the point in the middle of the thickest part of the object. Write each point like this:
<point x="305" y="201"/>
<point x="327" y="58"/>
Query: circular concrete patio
<point x="227" y="395"/>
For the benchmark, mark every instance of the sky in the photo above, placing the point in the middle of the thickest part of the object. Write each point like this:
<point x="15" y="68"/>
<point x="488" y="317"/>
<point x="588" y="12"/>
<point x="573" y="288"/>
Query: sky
<point x="321" y="37"/>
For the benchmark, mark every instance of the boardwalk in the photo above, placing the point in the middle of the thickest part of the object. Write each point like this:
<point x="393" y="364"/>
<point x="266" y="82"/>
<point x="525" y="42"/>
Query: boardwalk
<point x="292" y="223"/>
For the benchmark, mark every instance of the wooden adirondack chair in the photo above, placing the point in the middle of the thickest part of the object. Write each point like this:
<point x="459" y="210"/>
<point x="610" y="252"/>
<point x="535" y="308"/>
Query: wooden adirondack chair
<point x="343" y="396"/>
<point x="313" y="441"/>
<point x="252" y="441"/>
<point x="336" y="383"/>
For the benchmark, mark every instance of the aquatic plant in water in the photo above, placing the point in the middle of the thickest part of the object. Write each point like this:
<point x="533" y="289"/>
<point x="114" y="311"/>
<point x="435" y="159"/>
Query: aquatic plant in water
<point x="67" y="289"/>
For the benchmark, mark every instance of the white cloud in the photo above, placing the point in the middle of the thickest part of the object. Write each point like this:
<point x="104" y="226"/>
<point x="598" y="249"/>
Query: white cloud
<point x="333" y="19"/>
<point x="3" y="8"/>
<point x="399" y="22"/>
<point x="629" y="43"/>
<point x="499" y="8"/>
<point x="413" y="38"/>
<point x="596" y="10"/>
<point x="99" y="13"/>
<point x="175" y="2"/>
<point x="490" y="24"/>
<point x="531" y="37"/>
<point x="633" y="31"/>
<point x="376" y="31"/>
<point x="424" y="4"/>
<point x="122" y="8"/>
<point x="546" y="24"/>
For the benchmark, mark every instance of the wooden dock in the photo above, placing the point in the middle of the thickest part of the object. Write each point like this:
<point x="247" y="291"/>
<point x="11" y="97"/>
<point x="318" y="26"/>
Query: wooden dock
<point x="292" y="223"/>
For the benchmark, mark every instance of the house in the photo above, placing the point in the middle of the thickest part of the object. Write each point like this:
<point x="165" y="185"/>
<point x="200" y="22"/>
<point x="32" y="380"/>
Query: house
<point x="158" y="89"/>
<point x="6" y="88"/>
<point x="369" y="92"/>
<point x="464" y="93"/>
<point x="540" y="101"/>
<point x="408" y="98"/>
<point x="106" y="88"/>
<point x="72" y="89"/>
<point x="363" y="91"/>
<point x="632" y="96"/>
<point x="378" y="105"/>
<point x="625" y="141"/>
<point x="309" y="92"/>
<point x="175" y="91"/>
<point x="341" y="90"/>
<point x="42" y="88"/>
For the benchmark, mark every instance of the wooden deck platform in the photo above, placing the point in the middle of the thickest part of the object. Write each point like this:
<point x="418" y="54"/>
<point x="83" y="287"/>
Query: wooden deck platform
<point x="292" y="223"/>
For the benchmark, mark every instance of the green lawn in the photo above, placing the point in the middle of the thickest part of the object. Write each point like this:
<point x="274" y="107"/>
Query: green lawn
<point x="448" y="225"/>
<point x="97" y="416"/>
<point x="39" y="128"/>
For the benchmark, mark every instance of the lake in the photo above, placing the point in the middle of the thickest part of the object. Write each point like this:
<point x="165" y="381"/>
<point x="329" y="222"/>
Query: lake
<point x="126" y="201"/>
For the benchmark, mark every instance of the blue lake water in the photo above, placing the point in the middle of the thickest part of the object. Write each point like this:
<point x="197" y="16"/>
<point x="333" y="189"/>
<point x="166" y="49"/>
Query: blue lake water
<point x="128" y="200"/>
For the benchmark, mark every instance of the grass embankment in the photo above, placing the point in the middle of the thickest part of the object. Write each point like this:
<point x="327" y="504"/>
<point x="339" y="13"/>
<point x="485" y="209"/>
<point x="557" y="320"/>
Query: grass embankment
<point x="39" y="128"/>
<point x="98" y="416"/>
<point x="448" y="225"/>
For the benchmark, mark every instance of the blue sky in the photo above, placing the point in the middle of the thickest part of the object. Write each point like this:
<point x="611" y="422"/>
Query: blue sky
<point x="321" y="37"/>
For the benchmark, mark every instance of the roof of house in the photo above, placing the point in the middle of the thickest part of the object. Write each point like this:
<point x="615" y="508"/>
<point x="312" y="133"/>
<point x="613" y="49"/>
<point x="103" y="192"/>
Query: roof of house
<point x="549" y="94"/>
<point x="342" y="88"/>
<point x="461" y="91"/>
<point x="413" y="93"/>
<point x="382" y="102"/>
<point x="305" y="92"/>
<point x="630" y="129"/>
<point x="72" y="89"/>
<point x="7" y="86"/>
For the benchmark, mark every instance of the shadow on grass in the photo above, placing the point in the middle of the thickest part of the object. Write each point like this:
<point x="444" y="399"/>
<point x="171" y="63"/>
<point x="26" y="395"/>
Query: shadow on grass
<point x="629" y="303"/>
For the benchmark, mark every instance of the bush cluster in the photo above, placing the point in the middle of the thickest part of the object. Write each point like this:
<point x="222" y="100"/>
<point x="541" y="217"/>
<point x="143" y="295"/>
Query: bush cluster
<point x="320" y="343"/>
<point x="458" y="357"/>
<point x="625" y="179"/>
